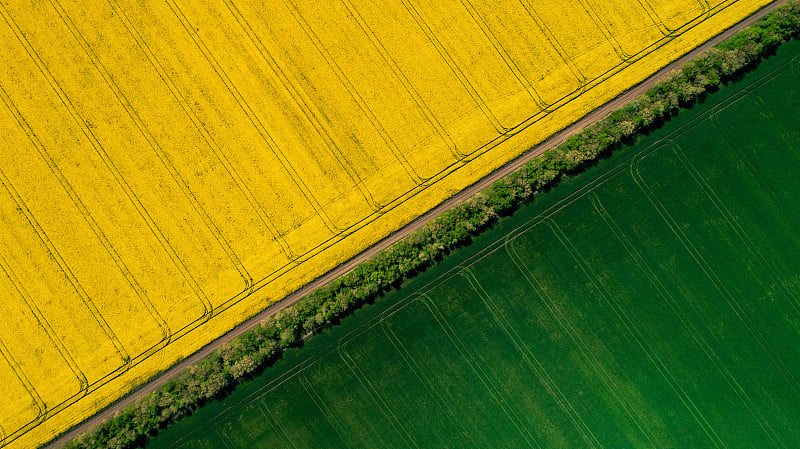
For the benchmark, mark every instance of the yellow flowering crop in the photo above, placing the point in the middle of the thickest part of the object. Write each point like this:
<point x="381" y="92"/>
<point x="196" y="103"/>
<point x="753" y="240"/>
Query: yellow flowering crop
<point x="170" y="167"/>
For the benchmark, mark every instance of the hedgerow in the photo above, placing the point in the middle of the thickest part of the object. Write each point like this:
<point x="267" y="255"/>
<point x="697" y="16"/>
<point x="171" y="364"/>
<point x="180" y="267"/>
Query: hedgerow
<point x="263" y="344"/>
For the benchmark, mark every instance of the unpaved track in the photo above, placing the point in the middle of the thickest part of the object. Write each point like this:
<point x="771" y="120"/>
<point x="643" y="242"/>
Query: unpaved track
<point x="552" y="142"/>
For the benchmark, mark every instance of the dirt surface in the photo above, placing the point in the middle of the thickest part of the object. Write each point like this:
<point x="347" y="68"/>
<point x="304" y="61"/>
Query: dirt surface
<point x="552" y="142"/>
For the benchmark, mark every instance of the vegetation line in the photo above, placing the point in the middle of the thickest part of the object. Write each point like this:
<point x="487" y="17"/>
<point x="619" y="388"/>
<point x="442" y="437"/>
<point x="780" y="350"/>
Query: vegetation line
<point x="264" y="343"/>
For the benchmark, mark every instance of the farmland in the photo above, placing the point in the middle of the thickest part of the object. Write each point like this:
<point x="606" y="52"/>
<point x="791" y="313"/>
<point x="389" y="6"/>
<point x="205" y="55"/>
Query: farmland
<point x="648" y="302"/>
<point x="173" y="167"/>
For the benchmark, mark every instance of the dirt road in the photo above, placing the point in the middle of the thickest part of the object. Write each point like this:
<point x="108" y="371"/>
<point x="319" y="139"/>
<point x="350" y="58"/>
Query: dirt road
<point x="551" y="142"/>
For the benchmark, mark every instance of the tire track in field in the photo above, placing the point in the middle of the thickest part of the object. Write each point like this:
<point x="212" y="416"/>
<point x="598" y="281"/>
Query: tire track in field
<point x="429" y="385"/>
<point x="276" y="427"/>
<point x="578" y="341"/>
<point x="676" y="308"/>
<point x="385" y="407"/>
<point x="331" y="418"/>
<point x="690" y="247"/>
<point x="532" y="361"/>
<point x="549" y="143"/>
<point x="490" y="383"/>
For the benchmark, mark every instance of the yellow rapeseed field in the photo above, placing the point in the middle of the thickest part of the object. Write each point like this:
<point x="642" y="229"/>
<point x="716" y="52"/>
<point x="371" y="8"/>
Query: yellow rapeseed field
<point x="170" y="167"/>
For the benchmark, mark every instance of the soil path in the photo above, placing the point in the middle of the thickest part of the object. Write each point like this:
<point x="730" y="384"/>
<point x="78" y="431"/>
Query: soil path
<point x="552" y="142"/>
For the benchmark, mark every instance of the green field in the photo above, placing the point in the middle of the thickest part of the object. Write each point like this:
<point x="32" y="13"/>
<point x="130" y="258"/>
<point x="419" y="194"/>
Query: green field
<point x="651" y="302"/>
